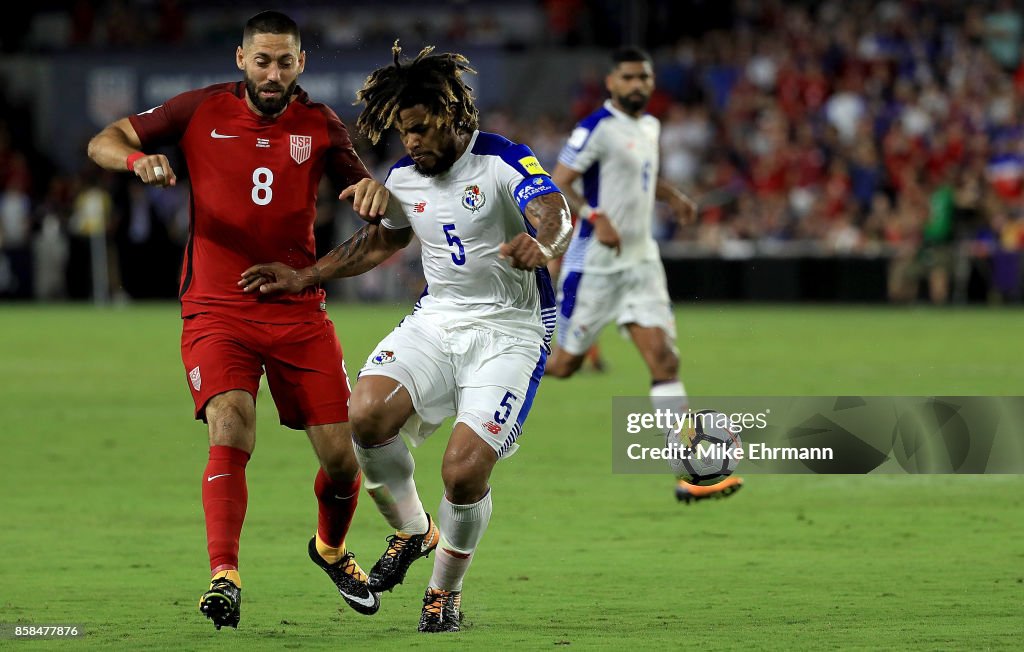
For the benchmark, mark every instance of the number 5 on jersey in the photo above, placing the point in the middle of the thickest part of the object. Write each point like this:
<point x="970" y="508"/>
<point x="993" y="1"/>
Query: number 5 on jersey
<point x="453" y="241"/>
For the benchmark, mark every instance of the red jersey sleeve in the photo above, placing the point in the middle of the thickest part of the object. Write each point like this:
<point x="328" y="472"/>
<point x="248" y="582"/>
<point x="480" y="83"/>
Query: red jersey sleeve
<point x="165" y="124"/>
<point x="343" y="165"/>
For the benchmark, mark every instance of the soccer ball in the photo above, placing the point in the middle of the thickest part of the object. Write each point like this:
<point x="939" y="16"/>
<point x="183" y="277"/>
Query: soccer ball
<point x="708" y="437"/>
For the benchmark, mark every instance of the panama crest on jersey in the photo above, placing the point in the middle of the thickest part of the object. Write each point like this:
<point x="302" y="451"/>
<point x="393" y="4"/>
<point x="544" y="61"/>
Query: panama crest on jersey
<point x="301" y="148"/>
<point x="384" y="357"/>
<point x="473" y="198"/>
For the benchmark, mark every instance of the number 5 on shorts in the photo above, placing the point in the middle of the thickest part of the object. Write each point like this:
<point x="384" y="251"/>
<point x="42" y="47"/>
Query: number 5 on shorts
<point x="506" y="403"/>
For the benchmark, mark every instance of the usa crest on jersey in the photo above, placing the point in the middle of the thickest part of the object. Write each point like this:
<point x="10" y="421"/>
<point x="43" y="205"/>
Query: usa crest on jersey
<point x="301" y="147"/>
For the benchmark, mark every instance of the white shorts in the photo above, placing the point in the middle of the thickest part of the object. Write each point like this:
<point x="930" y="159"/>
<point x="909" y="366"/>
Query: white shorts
<point x="485" y="379"/>
<point x="587" y="302"/>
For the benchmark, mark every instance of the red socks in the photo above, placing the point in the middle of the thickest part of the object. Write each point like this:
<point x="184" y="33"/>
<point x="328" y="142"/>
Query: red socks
<point x="224" y="502"/>
<point x="225" y="498"/>
<point x="337" y="505"/>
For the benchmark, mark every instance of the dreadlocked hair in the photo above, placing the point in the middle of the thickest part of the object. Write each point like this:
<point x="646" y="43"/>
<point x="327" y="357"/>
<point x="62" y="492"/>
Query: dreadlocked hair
<point x="433" y="80"/>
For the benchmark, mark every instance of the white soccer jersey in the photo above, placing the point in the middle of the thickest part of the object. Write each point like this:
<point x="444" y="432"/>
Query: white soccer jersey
<point x="462" y="217"/>
<point x="617" y="155"/>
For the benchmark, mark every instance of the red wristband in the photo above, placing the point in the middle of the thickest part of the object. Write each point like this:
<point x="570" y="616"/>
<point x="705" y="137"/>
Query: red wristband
<point x="587" y="213"/>
<point x="130" y="161"/>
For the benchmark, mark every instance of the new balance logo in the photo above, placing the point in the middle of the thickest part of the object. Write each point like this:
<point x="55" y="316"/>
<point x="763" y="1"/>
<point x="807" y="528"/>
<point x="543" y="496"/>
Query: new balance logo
<point x="419" y="207"/>
<point x="214" y="134"/>
<point x="211" y="478"/>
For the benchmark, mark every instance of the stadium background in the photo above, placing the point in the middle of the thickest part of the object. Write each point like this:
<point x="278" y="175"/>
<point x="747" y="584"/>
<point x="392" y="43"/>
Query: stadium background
<point x="840" y="151"/>
<point x="865" y="152"/>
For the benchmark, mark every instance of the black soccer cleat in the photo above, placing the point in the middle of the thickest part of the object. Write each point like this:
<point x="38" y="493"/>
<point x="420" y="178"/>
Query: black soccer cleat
<point x="222" y="603"/>
<point x="441" y="612"/>
<point x="349" y="579"/>
<point x="403" y="550"/>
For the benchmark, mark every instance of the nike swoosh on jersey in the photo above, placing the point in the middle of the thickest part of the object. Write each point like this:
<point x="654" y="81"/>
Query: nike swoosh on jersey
<point x="211" y="478"/>
<point x="214" y="134"/>
<point x="366" y="602"/>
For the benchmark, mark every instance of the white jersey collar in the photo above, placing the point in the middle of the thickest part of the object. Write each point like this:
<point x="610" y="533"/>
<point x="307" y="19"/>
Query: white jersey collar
<point x="620" y="113"/>
<point x="463" y="160"/>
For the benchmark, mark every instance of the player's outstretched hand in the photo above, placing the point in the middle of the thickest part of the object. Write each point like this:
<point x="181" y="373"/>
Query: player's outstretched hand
<point x="685" y="209"/>
<point x="524" y="252"/>
<point x="605" y="231"/>
<point x="369" y="199"/>
<point x="154" y="170"/>
<point x="267" y="278"/>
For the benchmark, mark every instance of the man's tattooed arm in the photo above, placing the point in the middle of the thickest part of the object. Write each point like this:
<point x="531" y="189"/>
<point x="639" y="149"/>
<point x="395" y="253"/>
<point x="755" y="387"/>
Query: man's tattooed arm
<point x="550" y="214"/>
<point x="368" y="247"/>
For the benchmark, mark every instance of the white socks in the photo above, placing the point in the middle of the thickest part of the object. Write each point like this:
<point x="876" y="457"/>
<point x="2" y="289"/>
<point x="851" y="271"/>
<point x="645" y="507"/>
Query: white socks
<point x="669" y="395"/>
<point x="388" y="478"/>
<point x="462" y="527"/>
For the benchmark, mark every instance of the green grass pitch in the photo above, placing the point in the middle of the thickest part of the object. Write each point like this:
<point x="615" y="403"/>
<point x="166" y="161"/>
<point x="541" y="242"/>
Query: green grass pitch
<point x="102" y="520"/>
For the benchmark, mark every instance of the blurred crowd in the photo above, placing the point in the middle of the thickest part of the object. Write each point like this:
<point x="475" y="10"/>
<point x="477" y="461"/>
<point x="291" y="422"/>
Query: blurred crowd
<point x="858" y="128"/>
<point x="121" y="25"/>
<point x="866" y="127"/>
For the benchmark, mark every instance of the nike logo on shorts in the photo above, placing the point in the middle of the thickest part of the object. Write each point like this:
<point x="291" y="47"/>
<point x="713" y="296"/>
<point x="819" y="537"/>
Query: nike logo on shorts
<point x="211" y="478"/>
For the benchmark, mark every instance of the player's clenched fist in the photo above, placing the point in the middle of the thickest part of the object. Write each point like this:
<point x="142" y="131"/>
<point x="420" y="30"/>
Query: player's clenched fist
<point x="369" y="198"/>
<point x="152" y="169"/>
<point x="524" y="252"/>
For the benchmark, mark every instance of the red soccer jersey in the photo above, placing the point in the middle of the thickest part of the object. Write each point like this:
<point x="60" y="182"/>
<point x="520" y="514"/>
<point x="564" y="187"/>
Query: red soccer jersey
<point x="254" y="188"/>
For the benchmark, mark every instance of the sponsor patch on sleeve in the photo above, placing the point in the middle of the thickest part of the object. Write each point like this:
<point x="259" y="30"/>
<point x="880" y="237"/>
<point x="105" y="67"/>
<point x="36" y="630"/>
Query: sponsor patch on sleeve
<point x="578" y="137"/>
<point x="532" y="165"/>
<point x="533" y="187"/>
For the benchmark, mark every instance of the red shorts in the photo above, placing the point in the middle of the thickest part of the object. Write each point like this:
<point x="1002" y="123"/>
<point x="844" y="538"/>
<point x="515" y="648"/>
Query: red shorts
<point x="305" y="369"/>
